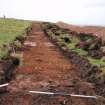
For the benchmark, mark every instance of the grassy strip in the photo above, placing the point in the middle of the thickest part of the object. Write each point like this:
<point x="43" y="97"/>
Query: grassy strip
<point x="9" y="30"/>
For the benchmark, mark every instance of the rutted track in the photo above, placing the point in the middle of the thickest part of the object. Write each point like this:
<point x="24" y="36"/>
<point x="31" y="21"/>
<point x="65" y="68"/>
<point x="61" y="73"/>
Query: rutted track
<point x="45" y="68"/>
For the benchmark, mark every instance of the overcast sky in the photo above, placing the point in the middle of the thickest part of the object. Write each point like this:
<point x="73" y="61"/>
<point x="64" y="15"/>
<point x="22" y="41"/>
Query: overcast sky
<point x="89" y="12"/>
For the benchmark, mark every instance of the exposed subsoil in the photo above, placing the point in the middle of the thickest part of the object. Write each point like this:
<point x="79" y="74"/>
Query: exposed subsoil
<point x="45" y="68"/>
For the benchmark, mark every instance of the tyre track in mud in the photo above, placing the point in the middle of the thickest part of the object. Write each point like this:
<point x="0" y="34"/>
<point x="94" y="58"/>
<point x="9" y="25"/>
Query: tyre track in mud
<point x="45" y="68"/>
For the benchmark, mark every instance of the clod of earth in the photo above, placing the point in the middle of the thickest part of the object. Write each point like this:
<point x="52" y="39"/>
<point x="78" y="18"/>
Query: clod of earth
<point x="8" y="67"/>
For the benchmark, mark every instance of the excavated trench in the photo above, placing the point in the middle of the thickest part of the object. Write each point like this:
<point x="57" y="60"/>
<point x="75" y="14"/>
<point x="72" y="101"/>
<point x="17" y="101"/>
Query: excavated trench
<point x="45" y="68"/>
<point x="86" y="70"/>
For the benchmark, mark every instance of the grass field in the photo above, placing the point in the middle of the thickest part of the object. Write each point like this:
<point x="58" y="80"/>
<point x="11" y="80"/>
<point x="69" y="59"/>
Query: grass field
<point x="9" y="29"/>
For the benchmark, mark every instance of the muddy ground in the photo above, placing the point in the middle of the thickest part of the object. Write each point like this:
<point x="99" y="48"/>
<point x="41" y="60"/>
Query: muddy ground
<point x="45" y="68"/>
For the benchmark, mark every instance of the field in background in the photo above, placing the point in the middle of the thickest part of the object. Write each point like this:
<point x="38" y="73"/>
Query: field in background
<point x="96" y="30"/>
<point x="9" y="29"/>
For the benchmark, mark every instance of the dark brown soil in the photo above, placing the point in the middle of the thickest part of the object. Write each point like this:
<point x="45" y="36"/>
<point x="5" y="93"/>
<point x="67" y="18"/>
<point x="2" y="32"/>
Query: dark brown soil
<point x="45" y="68"/>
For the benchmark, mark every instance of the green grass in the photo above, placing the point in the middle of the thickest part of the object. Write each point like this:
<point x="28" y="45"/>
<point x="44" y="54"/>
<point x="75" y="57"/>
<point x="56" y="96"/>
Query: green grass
<point x="74" y="41"/>
<point x="98" y="62"/>
<point x="9" y="29"/>
<point x="80" y="52"/>
<point x="3" y="52"/>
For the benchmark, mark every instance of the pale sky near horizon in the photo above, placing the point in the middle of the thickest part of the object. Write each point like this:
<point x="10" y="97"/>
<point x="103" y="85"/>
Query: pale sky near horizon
<point x="83" y="12"/>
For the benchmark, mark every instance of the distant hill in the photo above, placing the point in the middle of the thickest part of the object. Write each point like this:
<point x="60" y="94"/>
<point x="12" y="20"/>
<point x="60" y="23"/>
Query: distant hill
<point x="96" y="30"/>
